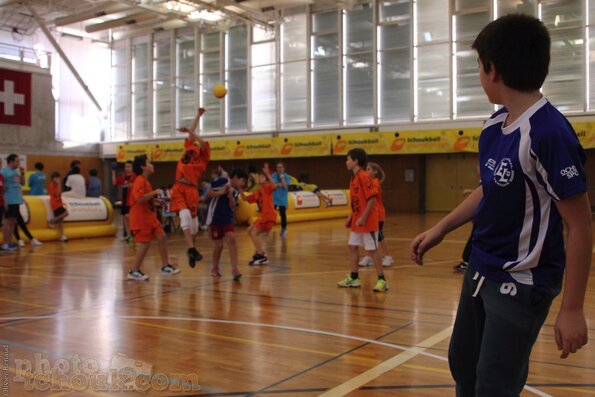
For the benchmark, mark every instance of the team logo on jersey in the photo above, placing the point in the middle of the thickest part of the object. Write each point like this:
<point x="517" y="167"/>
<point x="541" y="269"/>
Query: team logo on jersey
<point x="569" y="172"/>
<point x="491" y="164"/>
<point x="504" y="174"/>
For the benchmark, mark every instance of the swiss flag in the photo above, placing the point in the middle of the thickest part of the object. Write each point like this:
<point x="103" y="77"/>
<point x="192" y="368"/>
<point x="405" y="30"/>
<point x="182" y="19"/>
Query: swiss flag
<point x="15" y="97"/>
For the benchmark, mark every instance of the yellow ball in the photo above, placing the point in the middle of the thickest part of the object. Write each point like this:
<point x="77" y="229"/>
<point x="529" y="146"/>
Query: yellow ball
<point x="219" y="91"/>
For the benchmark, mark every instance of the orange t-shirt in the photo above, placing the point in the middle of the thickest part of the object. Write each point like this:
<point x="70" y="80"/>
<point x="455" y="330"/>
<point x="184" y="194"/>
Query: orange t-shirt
<point x="193" y="162"/>
<point x="142" y="215"/>
<point x="362" y="189"/>
<point x="379" y="204"/>
<point x="264" y="197"/>
<point x="55" y="192"/>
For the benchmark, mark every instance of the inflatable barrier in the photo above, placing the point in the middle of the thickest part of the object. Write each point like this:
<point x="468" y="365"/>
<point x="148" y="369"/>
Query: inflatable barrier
<point x="304" y="206"/>
<point x="87" y="217"/>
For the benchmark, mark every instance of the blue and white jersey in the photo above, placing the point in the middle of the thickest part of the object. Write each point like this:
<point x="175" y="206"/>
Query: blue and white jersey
<point x="219" y="212"/>
<point x="525" y="167"/>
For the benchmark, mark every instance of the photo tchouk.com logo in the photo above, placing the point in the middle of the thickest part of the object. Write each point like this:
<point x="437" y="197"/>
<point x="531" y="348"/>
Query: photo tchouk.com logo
<point x="80" y="375"/>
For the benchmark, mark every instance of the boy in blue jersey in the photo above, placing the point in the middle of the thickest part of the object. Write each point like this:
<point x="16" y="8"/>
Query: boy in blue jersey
<point x="532" y="181"/>
<point x="281" y="180"/>
<point x="37" y="181"/>
<point x="223" y="200"/>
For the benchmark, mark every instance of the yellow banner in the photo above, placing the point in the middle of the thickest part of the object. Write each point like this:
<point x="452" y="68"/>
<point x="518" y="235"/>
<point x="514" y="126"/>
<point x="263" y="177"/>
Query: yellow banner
<point x="168" y="151"/>
<point x="371" y="142"/>
<point x="243" y="148"/>
<point x="586" y="134"/>
<point x="128" y="151"/>
<point x="303" y="146"/>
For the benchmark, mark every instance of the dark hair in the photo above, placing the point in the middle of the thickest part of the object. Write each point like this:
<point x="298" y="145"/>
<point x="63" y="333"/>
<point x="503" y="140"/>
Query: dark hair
<point x="238" y="173"/>
<point x="39" y="166"/>
<point x="128" y="162"/>
<point x="251" y="169"/>
<point x="93" y="172"/>
<point x="138" y="164"/>
<point x="359" y="155"/>
<point x="75" y="170"/>
<point x="518" y="46"/>
<point x="11" y="157"/>
<point x="55" y="174"/>
<point x="74" y="163"/>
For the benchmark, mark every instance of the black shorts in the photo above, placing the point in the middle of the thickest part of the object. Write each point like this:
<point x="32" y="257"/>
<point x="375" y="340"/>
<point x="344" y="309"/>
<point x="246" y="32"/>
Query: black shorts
<point x="124" y="209"/>
<point x="13" y="211"/>
<point x="380" y="234"/>
<point x="1" y="213"/>
<point x="59" y="211"/>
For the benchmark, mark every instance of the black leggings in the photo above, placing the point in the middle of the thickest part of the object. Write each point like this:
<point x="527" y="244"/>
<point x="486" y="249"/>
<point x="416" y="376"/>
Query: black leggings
<point x="21" y="223"/>
<point x="282" y="213"/>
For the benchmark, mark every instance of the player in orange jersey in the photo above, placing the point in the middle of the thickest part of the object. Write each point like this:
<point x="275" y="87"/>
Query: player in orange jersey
<point x="266" y="220"/>
<point x="184" y="198"/>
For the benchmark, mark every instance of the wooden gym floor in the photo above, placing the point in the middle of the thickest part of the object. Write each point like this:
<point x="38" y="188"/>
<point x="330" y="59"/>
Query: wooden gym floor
<point x="284" y="330"/>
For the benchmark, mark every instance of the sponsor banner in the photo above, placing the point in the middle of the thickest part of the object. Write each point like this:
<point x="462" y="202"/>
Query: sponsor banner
<point x="84" y="209"/>
<point x="303" y="146"/>
<point x="224" y="149"/>
<point x="128" y="151"/>
<point x="335" y="198"/>
<point x="586" y="134"/>
<point x="371" y="142"/>
<point x="15" y="97"/>
<point x="167" y="151"/>
<point x="252" y="148"/>
<point x="305" y="200"/>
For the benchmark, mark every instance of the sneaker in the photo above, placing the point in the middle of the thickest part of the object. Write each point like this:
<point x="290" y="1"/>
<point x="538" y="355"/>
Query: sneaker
<point x="387" y="261"/>
<point x="203" y="228"/>
<point x="9" y="247"/>
<point x="236" y="274"/>
<point x="64" y="239"/>
<point x="366" y="261"/>
<point x="259" y="259"/>
<point x="22" y="243"/>
<point x="381" y="285"/>
<point x="215" y="272"/>
<point x="170" y="270"/>
<point x="193" y="257"/>
<point x="283" y="233"/>
<point x="36" y="243"/>
<point x="349" y="282"/>
<point x="137" y="275"/>
<point x="461" y="267"/>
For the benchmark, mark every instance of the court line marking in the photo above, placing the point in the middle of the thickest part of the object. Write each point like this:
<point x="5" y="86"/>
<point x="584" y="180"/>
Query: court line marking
<point x="408" y="353"/>
<point x="386" y="366"/>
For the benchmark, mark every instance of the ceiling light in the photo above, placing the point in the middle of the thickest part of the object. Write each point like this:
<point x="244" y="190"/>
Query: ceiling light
<point x="212" y="16"/>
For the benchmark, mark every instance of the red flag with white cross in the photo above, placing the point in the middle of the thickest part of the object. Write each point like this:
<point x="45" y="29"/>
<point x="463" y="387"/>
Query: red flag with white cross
<point x="15" y="97"/>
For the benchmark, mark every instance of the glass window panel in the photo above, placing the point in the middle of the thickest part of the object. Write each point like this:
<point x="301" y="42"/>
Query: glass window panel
<point x="433" y="91"/>
<point x="263" y="54"/>
<point x="210" y="122"/>
<point x="140" y="59"/>
<point x="565" y="84"/>
<point x="324" y="21"/>
<point x="359" y="29"/>
<point x="395" y="85"/>
<point x="325" y="92"/>
<point x="140" y="107"/>
<point x="394" y="11"/>
<point x="294" y="91"/>
<point x="325" y="45"/>
<point x="211" y="61"/>
<point x="210" y="41"/>
<point x="237" y="100"/>
<point x="295" y="37"/>
<point x="185" y="84"/>
<point x="394" y="36"/>
<point x="162" y="109"/>
<point x="359" y="90"/>
<point x="469" y="25"/>
<point x="562" y="13"/>
<point x="263" y="98"/>
<point x="261" y="34"/>
<point x="237" y="43"/>
<point x="471" y="100"/>
<point x="162" y="64"/>
<point x="432" y="21"/>
<point x="515" y="6"/>
<point x="120" y="113"/>
<point x="466" y="4"/>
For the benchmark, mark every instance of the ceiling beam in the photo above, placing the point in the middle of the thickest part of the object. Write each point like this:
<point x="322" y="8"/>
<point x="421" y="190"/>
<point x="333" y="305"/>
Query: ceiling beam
<point x="100" y="10"/>
<point x="124" y="21"/>
<point x="214" y="7"/>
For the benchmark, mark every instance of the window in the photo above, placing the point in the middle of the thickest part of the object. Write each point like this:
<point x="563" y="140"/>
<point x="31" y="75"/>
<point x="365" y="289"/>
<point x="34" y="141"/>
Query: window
<point x="185" y="75"/>
<point x="162" y="84"/>
<point x="140" y="89"/>
<point x="120" y="90"/>
<point x="210" y="75"/>
<point x="264" y="76"/>
<point x="325" y="69"/>
<point x="237" y="79"/>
